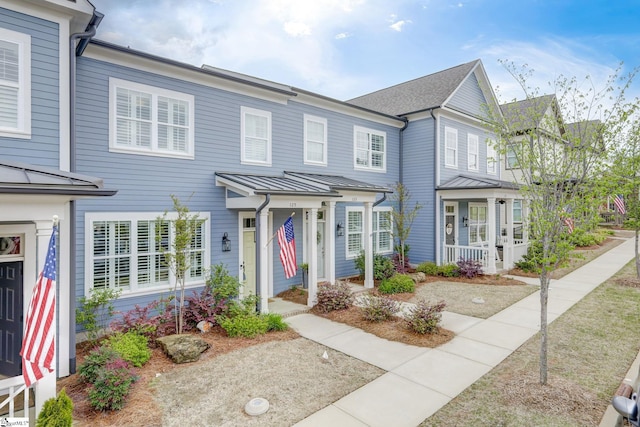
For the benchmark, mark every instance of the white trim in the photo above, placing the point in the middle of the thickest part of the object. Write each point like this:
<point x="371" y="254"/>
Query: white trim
<point x="134" y="217"/>
<point x="492" y="156"/>
<point x="451" y="131"/>
<point x="361" y="209"/>
<point x="23" y="126"/>
<point x="154" y="92"/>
<point x="260" y="113"/>
<point x="369" y="132"/>
<point x="309" y="118"/>
<point x="473" y="143"/>
<point x="486" y="223"/>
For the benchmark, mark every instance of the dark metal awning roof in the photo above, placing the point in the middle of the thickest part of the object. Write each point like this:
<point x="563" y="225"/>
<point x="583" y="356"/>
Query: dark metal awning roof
<point x="335" y="182"/>
<point x="462" y="182"/>
<point x="23" y="178"/>
<point x="275" y="185"/>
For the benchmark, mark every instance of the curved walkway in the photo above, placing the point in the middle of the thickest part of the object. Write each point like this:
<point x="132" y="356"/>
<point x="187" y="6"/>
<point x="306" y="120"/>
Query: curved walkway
<point x="419" y="380"/>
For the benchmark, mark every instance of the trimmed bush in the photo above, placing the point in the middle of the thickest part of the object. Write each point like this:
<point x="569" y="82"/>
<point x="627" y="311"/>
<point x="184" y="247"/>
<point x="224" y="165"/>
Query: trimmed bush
<point x="429" y="268"/>
<point x="424" y="317"/>
<point x="132" y="347"/>
<point x="377" y="309"/>
<point x="95" y="361"/>
<point x="56" y="412"/>
<point x="397" y="284"/>
<point x="275" y="322"/>
<point x="448" y="270"/>
<point x="469" y="268"/>
<point x="112" y="386"/>
<point x="244" y="325"/>
<point x="332" y="297"/>
<point x="383" y="267"/>
<point x="153" y="320"/>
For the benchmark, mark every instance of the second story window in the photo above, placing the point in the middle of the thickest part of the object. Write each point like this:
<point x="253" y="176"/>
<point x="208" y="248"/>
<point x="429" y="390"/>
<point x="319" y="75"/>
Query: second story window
<point x="450" y="147"/>
<point x="491" y="158"/>
<point x="15" y="84"/>
<point x="315" y="140"/>
<point x="370" y="149"/>
<point x="150" y="120"/>
<point x="255" y="138"/>
<point x="512" y="157"/>
<point x="472" y="150"/>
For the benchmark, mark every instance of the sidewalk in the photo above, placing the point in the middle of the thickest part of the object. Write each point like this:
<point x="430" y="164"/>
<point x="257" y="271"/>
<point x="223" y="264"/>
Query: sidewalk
<point x="419" y="380"/>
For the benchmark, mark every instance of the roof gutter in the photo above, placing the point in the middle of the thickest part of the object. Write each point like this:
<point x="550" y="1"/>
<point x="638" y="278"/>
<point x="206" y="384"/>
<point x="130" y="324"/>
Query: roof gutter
<point x="74" y="50"/>
<point x="267" y="199"/>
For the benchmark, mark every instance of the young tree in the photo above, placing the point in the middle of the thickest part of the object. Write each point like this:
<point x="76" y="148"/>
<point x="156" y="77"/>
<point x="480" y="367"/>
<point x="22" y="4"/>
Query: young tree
<point x="177" y="255"/>
<point x="557" y="144"/>
<point x="403" y="218"/>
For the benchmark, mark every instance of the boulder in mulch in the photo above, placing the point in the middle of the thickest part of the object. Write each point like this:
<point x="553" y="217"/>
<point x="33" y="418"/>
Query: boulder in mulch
<point x="418" y="276"/>
<point x="183" y="348"/>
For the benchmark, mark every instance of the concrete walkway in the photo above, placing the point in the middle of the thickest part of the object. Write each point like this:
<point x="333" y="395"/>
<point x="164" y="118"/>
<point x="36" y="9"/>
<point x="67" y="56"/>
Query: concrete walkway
<point x="419" y="380"/>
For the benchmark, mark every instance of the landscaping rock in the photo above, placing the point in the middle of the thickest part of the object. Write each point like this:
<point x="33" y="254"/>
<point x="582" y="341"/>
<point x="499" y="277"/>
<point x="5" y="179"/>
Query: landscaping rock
<point x="183" y="348"/>
<point x="418" y="276"/>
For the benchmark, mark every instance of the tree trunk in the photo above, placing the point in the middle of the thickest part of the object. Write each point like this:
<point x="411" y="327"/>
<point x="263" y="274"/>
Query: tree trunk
<point x="637" y="256"/>
<point x="544" y="297"/>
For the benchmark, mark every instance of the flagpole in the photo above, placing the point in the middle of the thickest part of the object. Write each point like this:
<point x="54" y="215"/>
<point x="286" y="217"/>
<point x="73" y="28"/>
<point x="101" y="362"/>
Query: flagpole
<point x="276" y="233"/>
<point x="55" y="220"/>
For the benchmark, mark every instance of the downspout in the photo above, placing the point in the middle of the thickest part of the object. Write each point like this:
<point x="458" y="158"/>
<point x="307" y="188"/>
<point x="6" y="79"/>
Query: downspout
<point x="377" y="202"/>
<point x="401" y="168"/>
<point x="258" y="247"/>
<point x="84" y="39"/>
<point x="436" y="208"/>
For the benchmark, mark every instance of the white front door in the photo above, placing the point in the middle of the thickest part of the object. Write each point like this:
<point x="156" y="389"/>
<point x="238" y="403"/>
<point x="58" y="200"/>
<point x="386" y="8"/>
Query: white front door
<point x="248" y="254"/>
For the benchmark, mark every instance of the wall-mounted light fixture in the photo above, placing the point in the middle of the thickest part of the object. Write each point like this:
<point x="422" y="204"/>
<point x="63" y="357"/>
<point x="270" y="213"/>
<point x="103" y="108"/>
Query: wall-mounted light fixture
<point x="226" y="243"/>
<point x="465" y="221"/>
<point x="340" y="229"/>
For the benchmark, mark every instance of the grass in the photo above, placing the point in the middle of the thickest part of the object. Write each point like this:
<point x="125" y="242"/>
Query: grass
<point x="590" y="349"/>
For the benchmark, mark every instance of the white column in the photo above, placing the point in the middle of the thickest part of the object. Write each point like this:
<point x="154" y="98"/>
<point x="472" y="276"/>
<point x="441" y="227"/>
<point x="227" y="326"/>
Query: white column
<point x="368" y="244"/>
<point x="491" y="234"/>
<point x="313" y="256"/>
<point x="264" y="260"/>
<point x="525" y="221"/>
<point x="507" y="249"/>
<point x="330" y="242"/>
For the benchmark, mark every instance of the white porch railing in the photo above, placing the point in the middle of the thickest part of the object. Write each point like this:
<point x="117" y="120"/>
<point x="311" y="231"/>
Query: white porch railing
<point x="13" y="387"/>
<point x="453" y="253"/>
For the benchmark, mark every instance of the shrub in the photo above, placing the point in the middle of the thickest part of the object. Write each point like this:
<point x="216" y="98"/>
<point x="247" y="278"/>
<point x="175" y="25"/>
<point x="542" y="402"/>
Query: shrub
<point x="377" y="309"/>
<point x="95" y="361"/>
<point x="383" y="267"/>
<point x="448" y="270"/>
<point x="56" y="412"/>
<point x="244" y="325"/>
<point x="153" y="320"/>
<point x="396" y="259"/>
<point x="131" y="346"/>
<point x="93" y="312"/>
<point x="469" y="268"/>
<point x="112" y="386"/>
<point x="429" y="268"/>
<point x="275" y="322"/>
<point x="223" y="286"/>
<point x="334" y="297"/>
<point x="424" y="317"/>
<point x="397" y="284"/>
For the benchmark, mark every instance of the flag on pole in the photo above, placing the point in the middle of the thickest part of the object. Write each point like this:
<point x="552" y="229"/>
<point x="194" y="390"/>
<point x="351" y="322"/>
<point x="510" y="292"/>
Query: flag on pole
<point x="287" y="243"/>
<point x="569" y="223"/>
<point x="618" y="201"/>
<point x="38" y="343"/>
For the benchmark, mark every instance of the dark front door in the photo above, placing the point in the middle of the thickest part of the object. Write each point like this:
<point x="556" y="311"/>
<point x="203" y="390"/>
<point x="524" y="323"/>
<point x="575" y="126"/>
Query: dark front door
<point x="10" y="318"/>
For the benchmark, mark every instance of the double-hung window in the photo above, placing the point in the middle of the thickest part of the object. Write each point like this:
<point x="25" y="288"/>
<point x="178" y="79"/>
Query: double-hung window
<point x="491" y="158"/>
<point x="370" y="149"/>
<point x="477" y="223"/>
<point x="382" y="231"/>
<point x="512" y="157"/>
<point x="315" y="140"/>
<point x="517" y="219"/>
<point x="15" y="84"/>
<point x="150" y="120"/>
<point x="126" y="251"/>
<point x="255" y="138"/>
<point x="472" y="152"/>
<point x="450" y="147"/>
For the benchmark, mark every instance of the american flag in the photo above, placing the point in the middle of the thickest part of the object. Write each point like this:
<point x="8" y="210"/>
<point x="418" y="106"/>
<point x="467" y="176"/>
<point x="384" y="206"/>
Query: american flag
<point x="569" y="223"/>
<point x="38" y="343"/>
<point x="287" y="243"/>
<point x="618" y="201"/>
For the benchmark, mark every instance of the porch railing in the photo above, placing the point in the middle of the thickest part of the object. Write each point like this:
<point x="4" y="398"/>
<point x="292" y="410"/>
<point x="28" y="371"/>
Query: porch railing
<point x="12" y="388"/>
<point x="453" y="253"/>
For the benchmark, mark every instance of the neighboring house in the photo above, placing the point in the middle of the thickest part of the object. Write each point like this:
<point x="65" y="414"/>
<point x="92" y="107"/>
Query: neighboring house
<point x="37" y="180"/>
<point x="450" y="166"/>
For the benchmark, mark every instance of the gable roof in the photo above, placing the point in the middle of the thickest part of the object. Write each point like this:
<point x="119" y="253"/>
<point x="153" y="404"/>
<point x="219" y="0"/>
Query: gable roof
<point x="420" y="94"/>
<point x="527" y="113"/>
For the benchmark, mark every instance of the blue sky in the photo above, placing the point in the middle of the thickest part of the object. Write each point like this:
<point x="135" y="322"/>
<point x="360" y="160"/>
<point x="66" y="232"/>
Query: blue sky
<point x="346" y="48"/>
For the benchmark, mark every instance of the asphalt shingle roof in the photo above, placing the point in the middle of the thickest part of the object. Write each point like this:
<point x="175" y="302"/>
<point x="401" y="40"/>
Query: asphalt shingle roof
<point x="528" y="113"/>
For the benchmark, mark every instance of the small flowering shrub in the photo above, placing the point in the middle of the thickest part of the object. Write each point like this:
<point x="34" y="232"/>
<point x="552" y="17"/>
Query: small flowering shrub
<point x="424" y="317"/>
<point x="95" y="361"/>
<point x="429" y="268"/>
<point x="336" y="296"/>
<point x="377" y="309"/>
<point x="397" y="284"/>
<point x="153" y="320"/>
<point x="131" y="346"/>
<point x="112" y="385"/>
<point x="469" y="268"/>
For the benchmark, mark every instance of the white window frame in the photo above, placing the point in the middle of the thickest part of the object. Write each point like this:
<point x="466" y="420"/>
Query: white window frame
<point x="136" y="217"/>
<point x="244" y="111"/>
<point x="492" y="160"/>
<point x="477" y="225"/>
<point x="309" y="118"/>
<point x="23" y="107"/>
<point x="369" y="150"/>
<point x="450" y="147"/>
<point x="473" y="154"/>
<point x="511" y="157"/>
<point x="155" y="93"/>
<point x="375" y="229"/>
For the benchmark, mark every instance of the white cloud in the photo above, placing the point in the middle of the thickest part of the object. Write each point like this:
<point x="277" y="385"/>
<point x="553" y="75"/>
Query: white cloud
<point x="397" y="26"/>
<point x="342" y="36"/>
<point x="297" y="29"/>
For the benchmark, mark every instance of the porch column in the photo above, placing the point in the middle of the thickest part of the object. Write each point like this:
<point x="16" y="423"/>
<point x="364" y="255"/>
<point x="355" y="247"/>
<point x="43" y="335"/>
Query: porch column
<point x="263" y="273"/>
<point x="491" y="234"/>
<point x="507" y="248"/>
<point x="368" y="244"/>
<point x="525" y="221"/>
<point x="313" y="256"/>
<point x="330" y="242"/>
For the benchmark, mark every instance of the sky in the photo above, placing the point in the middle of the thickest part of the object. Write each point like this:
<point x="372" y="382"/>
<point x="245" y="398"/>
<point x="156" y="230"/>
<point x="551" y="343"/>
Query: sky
<point x="346" y="48"/>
